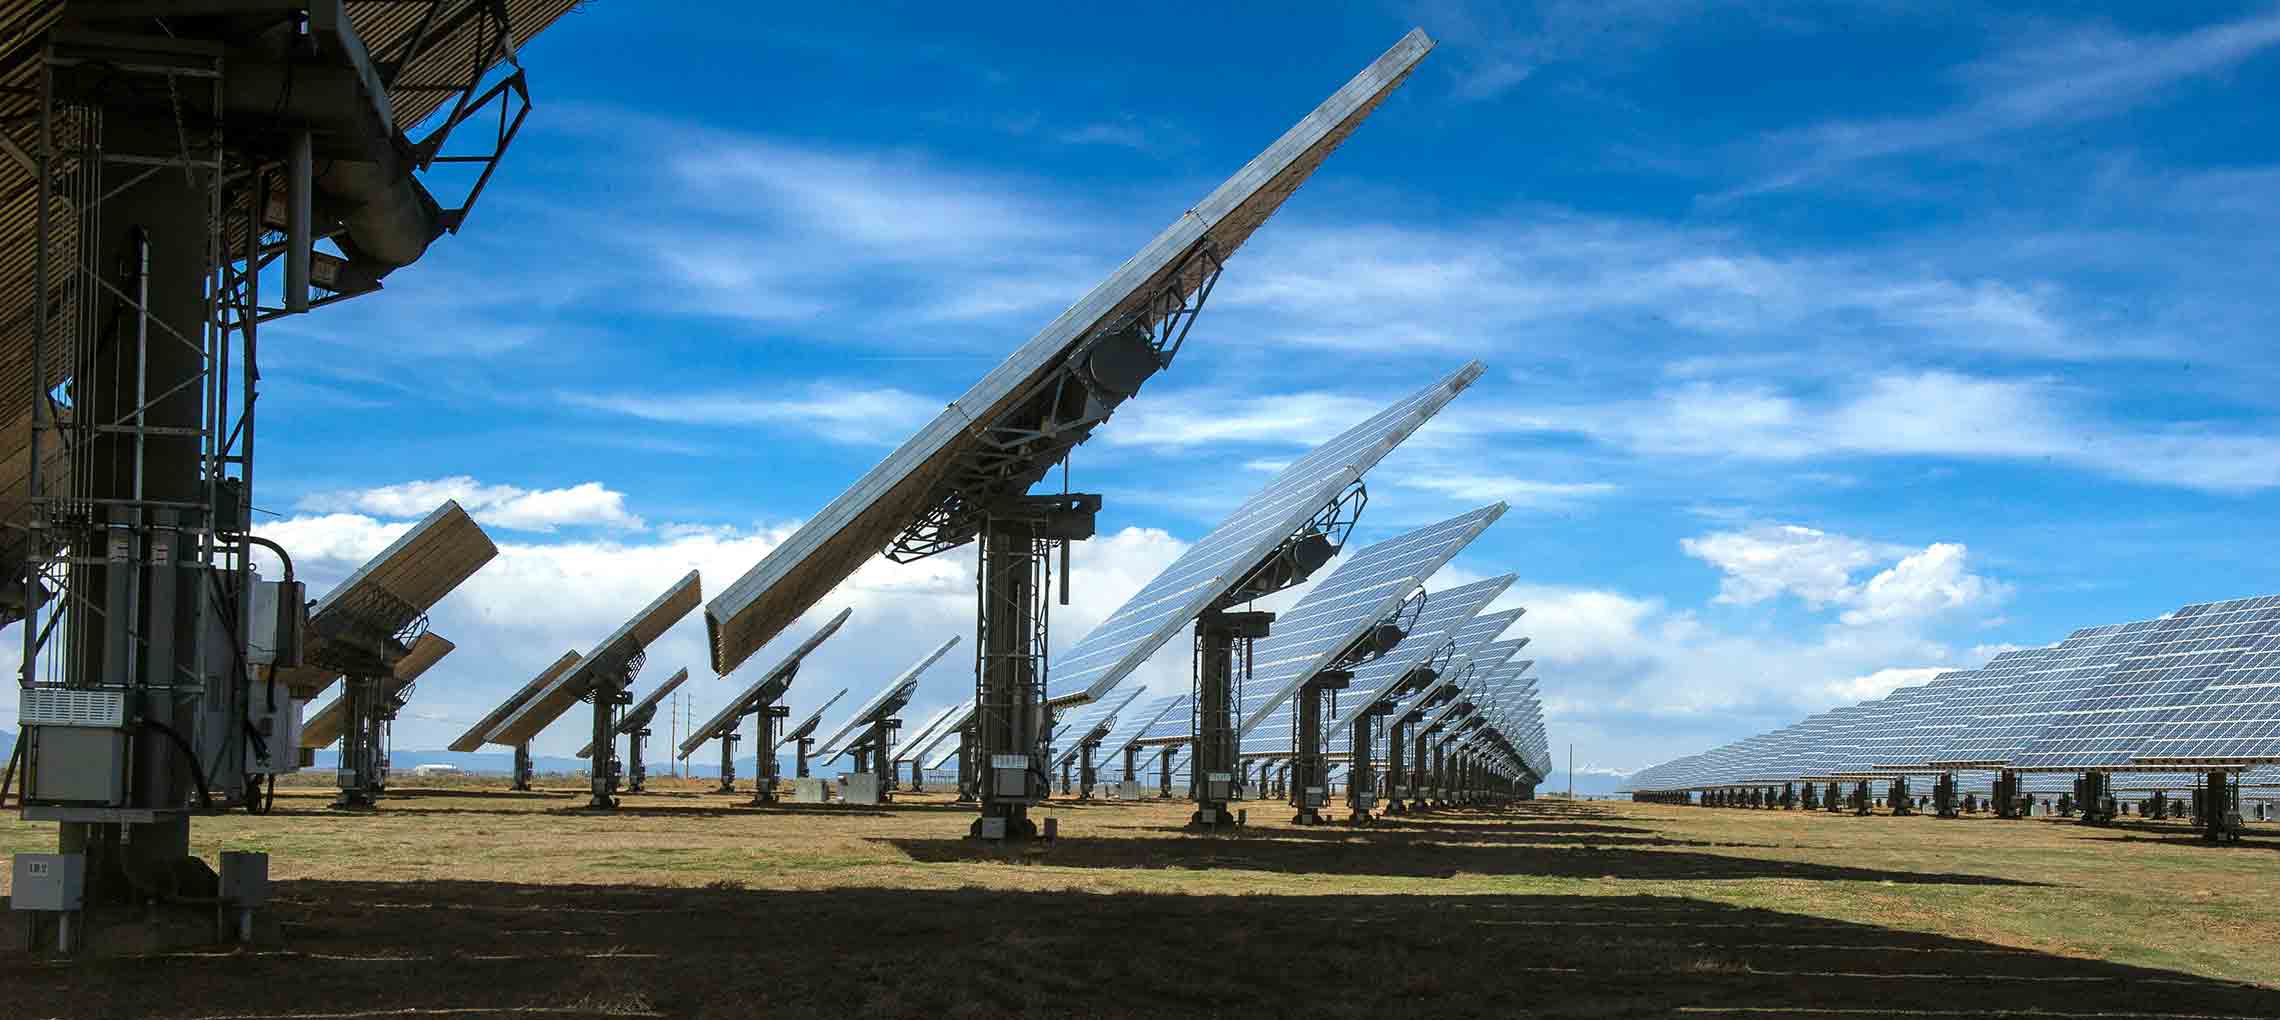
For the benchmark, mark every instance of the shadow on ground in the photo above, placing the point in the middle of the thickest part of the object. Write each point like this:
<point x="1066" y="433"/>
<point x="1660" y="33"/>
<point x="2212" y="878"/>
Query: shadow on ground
<point x="1365" y="851"/>
<point x="721" y="952"/>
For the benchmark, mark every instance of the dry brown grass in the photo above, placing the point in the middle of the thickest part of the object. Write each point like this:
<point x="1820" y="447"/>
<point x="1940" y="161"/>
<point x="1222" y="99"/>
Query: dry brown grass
<point x="465" y="897"/>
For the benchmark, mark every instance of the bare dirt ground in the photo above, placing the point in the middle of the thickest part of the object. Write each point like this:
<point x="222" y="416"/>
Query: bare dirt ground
<point x="469" y="900"/>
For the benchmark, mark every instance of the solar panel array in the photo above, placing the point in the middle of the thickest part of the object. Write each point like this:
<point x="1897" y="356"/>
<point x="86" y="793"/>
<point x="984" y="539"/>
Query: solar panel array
<point x="1360" y="592"/>
<point x="2196" y="689"/>
<point x="1170" y="601"/>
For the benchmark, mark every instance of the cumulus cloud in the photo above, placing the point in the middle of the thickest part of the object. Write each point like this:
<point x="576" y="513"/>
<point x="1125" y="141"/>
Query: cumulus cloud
<point x="1926" y="583"/>
<point x="1765" y="561"/>
<point x="1881" y="683"/>
<point x="587" y="504"/>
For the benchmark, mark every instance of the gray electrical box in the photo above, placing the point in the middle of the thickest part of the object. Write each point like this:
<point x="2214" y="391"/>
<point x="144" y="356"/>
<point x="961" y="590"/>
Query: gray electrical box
<point x="277" y="623"/>
<point x="47" y="881"/>
<point x="810" y="791"/>
<point x="1317" y="797"/>
<point x="245" y="877"/>
<point x="862" y="788"/>
<point x="1219" y="786"/>
<point x="1009" y="775"/>
<point x="77" y="765"/>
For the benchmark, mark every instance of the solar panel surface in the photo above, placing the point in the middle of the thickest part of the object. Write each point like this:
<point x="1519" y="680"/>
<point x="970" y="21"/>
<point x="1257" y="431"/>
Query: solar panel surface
<point x="1359" y="593"/>
<point x="770" y="685"/>
<point x="479" y="734"/>
<point x="2235" y="719"/>
<point x="1217" y="562"/>
<point x="2148" y="689"/>
<point x="2020" y="692"/>
<point x="890" y="698"/>
<point x="863" y="520"/>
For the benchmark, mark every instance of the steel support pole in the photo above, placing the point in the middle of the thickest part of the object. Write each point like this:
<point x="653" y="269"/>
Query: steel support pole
<point x="728" y="762"/>
<point x="525" y="769"/>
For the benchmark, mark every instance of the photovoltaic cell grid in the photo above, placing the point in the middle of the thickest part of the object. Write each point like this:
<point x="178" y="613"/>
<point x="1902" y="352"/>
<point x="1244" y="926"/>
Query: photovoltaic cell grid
<point x="2145" y="692"/>
<point x="1452" y="616"/>
<point x="1177" y="725"/>
<point x="2026" y="689"/>
<point x="1938" y="726"/>
<point x="1479" y="669"/>
<point x="1448" y="617"/>
<point x="1470" y="639"/>
<point x="1134" y="721"/>
<point x="2235" y="719"/>
<point x="1217" y="562"/>
<point x="1860" y="753"/>
<point x="1905" y="735"/>
<point x="1363" y="590"/>
<point x="1080" y="722"/>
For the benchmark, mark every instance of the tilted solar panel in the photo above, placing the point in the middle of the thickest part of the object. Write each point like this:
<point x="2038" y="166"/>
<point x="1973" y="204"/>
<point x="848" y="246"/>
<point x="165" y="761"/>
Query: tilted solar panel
<point x="2147" y="691"/>
<point x="1357" y="595"/>
<point x="2235" y="719"/>
<point x="891" y="496"/>
<point x="2021" y="691"/>
<point x="1217" y="562"/>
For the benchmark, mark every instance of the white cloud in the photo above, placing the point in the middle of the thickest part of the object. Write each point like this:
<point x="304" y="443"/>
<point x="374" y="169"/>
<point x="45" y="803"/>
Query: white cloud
<point x="1926" y="414"/>
<point x="1184" y="418"/>
<point x="1763" y="562"/>
<point x="504" y="506"/>
<point x="1768" y="560"/>
<point x="1523" y="492"/>
<point x="834" y="411"/>
<point x="1927" y="583"/>
<point x="2053" y="77"/>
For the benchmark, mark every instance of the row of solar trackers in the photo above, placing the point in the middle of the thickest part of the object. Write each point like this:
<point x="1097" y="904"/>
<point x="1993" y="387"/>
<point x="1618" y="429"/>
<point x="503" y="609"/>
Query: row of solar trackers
<point x="2149" y="705"/>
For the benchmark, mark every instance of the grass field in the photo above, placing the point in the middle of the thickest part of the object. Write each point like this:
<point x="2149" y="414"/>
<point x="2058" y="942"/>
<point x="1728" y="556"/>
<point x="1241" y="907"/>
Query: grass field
<point x="469" y="900"/>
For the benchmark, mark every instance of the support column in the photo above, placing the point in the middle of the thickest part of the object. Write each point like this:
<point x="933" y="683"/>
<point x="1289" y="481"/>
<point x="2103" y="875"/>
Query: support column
<point x="969" y="782"/>
<point x="525" y="769"/>
<point x="613" y="689"/>
<point x="636" y="773"/>
<point x="728" y="762"/>
<point x="1216" y="754"/>
<point x="1903" y="803"/>
<point x="1361" y="788"/>
<point x="1164" y="783"/>
<point x="1087" y="775"/>
<point x="1310" y="789"/>
<point x="359" y="768"/>
<point x="767" y="772"/>
<point x="2223" y="805"/>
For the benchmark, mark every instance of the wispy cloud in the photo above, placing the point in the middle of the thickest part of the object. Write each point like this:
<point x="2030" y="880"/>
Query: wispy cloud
<point x="837" y="412"/>
<point x="2055" y="76"/>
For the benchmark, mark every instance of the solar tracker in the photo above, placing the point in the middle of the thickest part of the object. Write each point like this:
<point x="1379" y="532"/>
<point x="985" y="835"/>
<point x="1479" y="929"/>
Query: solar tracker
<point x="1465" y="632"/>
<point x="930" y="748"/>
<point x="2233" y="720"/>
<point x="890" y="698"/>
<point x="2021" y="691"/>
<point x="1130" y="724"/>
<point x="325" y="724"/>
<point x="1342" y="607"/>
<point x="612" y="654"/>
<point x="478" y="734"/>
<point x="2148" y="689"/>
<point x="764" y="691"/>
<point x="807" y="726"/>
<point x="363" y="621"/>
<point x="929" y="485"/>
<point x="1176" y="727"/>
<point x="1223" y="558"/>
<point x="637" y="718"/>
<point x="913" y="745"/>
<point x="1093" y="718"/>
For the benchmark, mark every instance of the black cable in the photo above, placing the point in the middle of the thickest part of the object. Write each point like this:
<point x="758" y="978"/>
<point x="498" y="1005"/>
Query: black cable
<point x="205" y="795"/>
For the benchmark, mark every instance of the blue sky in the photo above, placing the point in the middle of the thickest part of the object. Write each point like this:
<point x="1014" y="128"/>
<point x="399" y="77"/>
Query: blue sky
<point x="1825" y="347"/>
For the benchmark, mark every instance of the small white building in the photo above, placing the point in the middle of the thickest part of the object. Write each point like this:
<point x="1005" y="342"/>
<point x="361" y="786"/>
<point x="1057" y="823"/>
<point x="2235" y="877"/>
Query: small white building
<point x="435" y="769"/>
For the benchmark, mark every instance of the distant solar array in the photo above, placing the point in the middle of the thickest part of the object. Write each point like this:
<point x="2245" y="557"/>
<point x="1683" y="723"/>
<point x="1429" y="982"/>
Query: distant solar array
<point x="2196" y="690"/>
